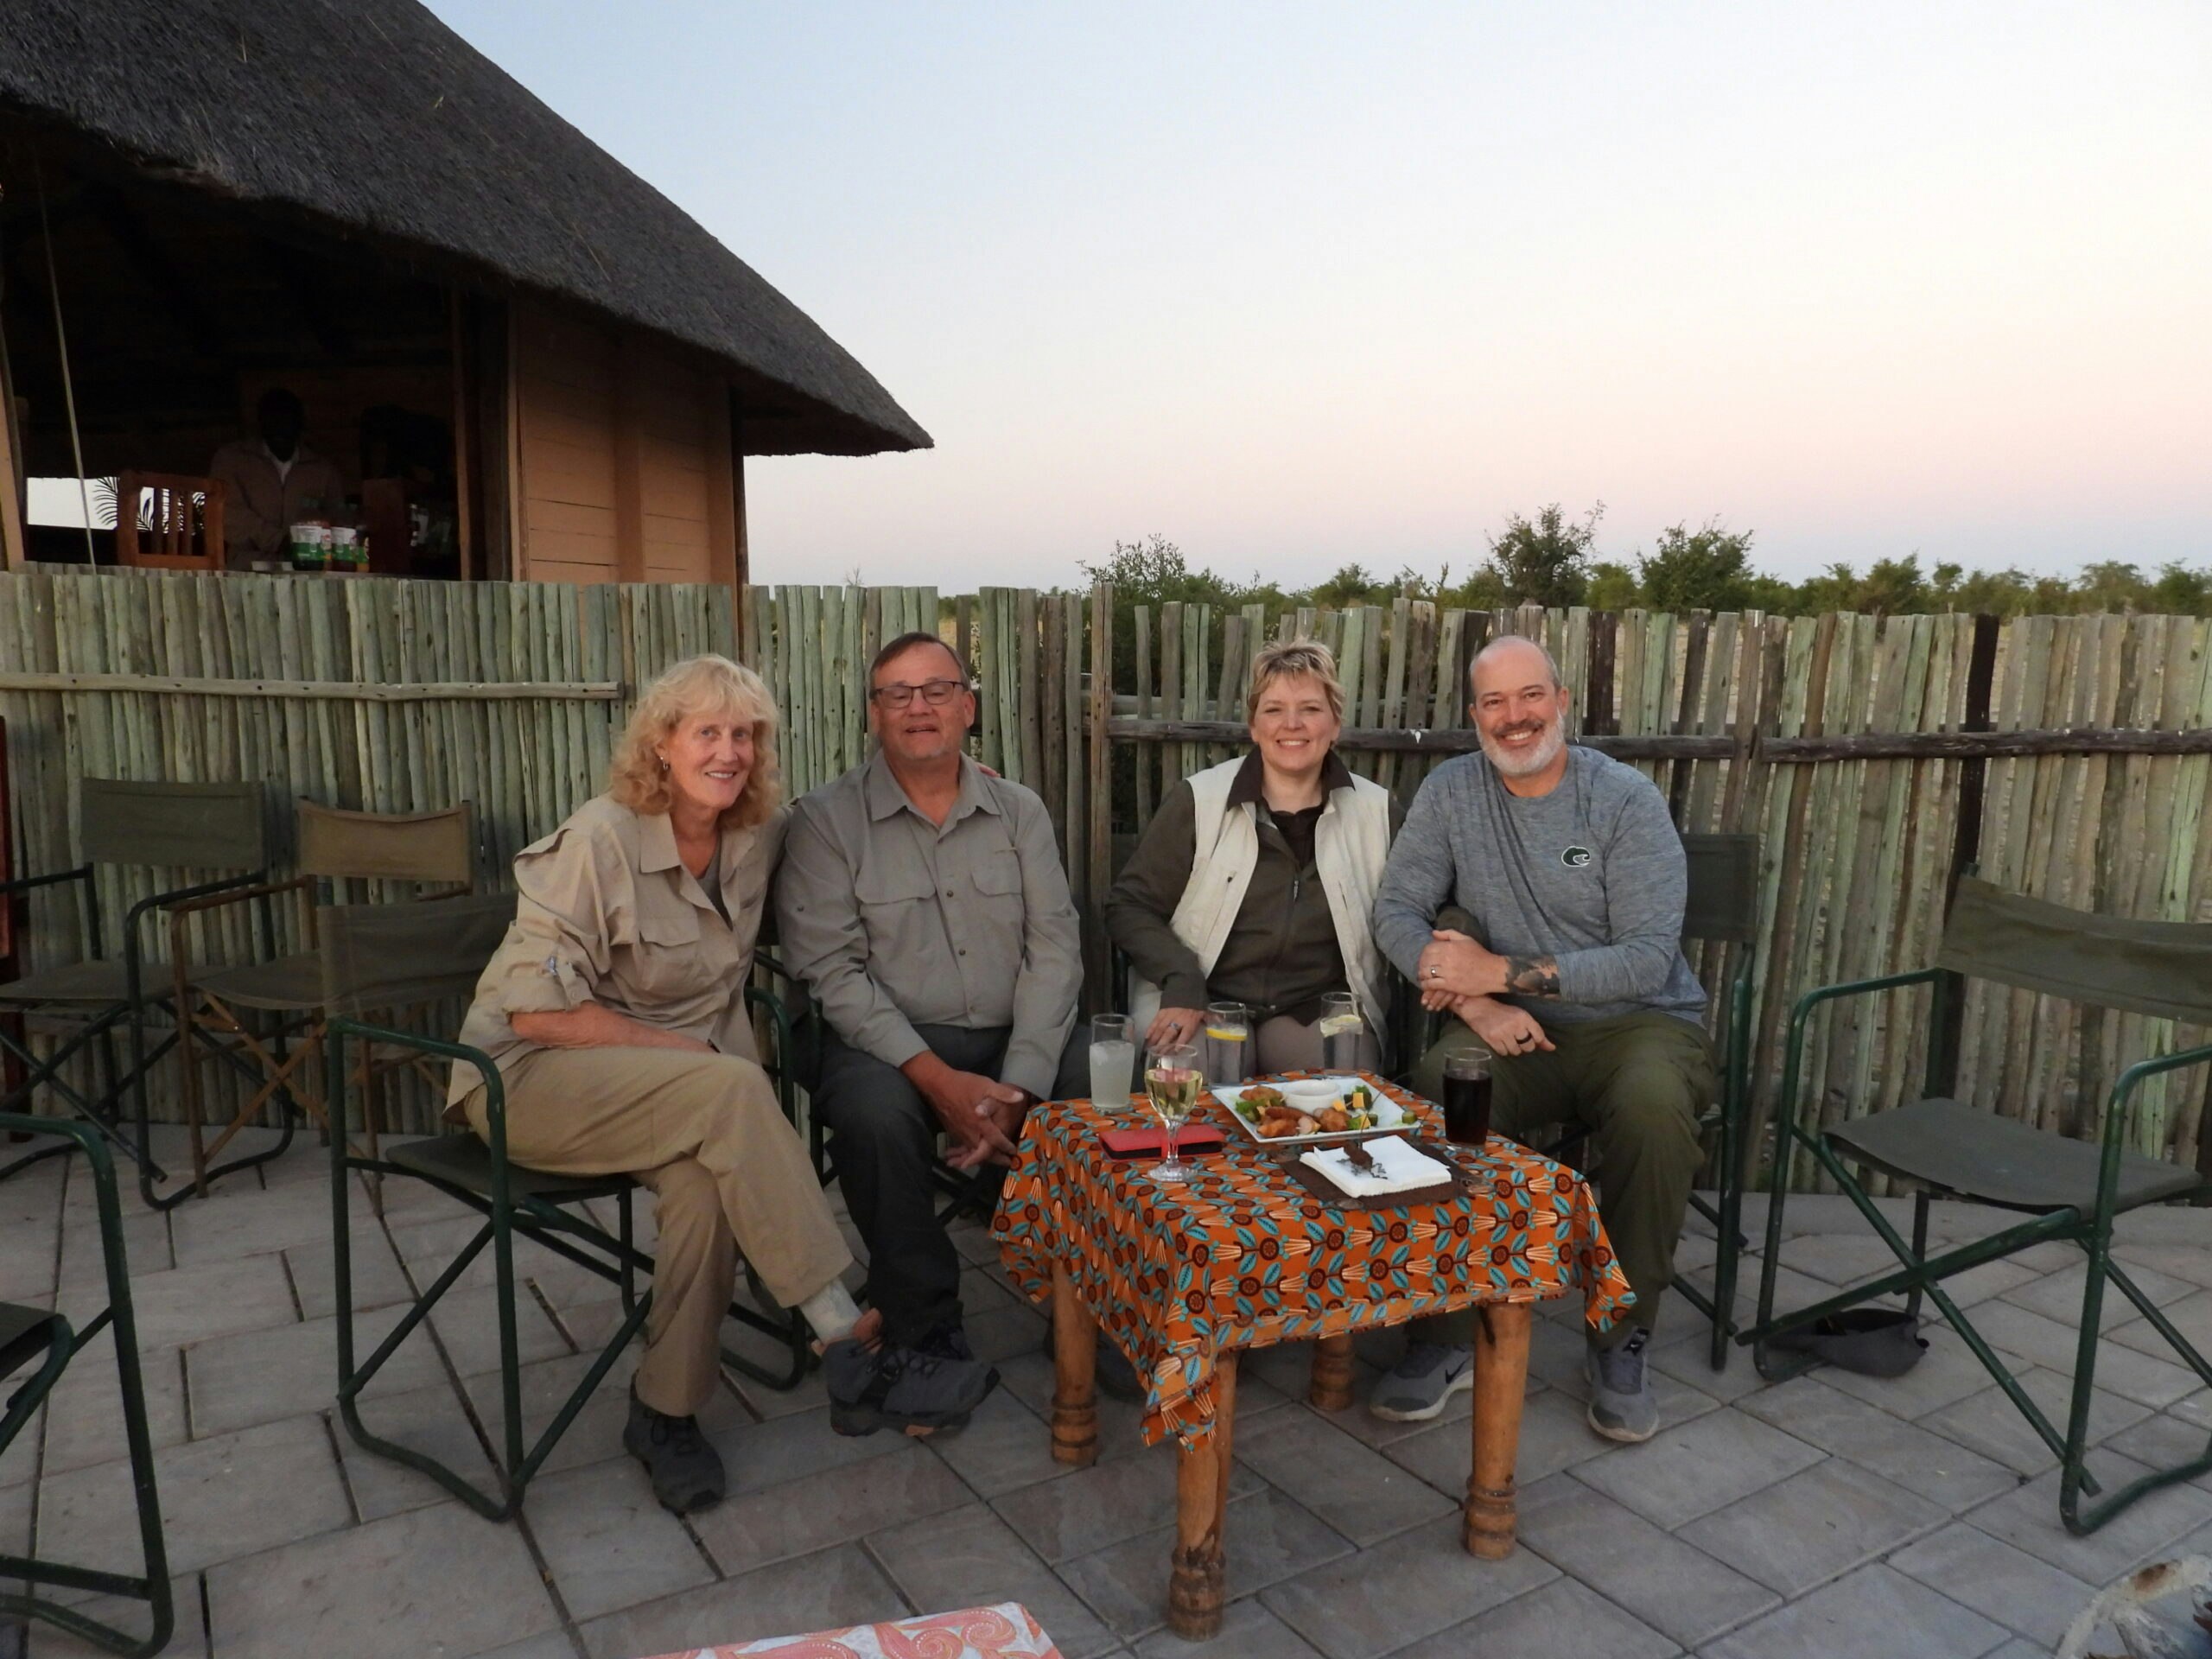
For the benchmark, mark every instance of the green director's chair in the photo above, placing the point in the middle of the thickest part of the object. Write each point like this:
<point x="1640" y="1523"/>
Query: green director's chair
<point x="381" y="956"/>
<point x="2071" y="1190"/>
<point x="28" y="1334"/>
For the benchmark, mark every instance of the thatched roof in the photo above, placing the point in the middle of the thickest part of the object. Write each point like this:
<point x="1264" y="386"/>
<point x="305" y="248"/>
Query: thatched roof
<point x="372" y="118"/>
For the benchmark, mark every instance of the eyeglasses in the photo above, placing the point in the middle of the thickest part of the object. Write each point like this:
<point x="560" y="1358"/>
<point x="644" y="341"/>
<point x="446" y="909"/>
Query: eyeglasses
<point x="936" y="693"/>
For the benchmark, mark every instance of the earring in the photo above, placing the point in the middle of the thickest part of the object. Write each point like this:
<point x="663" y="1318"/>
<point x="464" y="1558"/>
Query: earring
<point x="664" y="762"/>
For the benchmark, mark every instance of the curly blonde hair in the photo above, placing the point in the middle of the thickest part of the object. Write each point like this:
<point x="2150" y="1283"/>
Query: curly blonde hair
<point x="698" y="685"/>
<point x="1288" y="657"/>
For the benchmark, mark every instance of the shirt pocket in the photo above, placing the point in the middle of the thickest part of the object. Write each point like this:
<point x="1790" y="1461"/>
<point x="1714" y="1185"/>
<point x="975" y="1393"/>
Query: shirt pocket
<point x="893" y="895"/>
<point x="669" y="963"/>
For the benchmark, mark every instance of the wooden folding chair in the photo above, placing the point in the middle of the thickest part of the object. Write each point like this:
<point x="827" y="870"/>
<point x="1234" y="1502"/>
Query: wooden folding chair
<point x="2072" y="1189"/>
<point x="339" y="851"/>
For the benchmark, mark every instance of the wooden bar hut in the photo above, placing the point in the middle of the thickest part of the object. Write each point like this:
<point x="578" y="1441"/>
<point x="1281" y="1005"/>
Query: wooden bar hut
<point x="527" y="364"/>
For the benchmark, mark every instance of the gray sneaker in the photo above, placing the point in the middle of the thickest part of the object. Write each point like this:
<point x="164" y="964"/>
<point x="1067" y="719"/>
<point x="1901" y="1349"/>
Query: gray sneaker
<point x="1622" y="1404"/>
<point x="1415" y="1389"/>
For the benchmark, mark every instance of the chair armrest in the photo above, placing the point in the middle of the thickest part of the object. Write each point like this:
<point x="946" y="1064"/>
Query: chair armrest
<point x="2116" y="1115"/>
<point x="1801" y="1014"/>
<point x="163" y="901"/>
<point x="25" y="883"/>
<point x="230" y="895"/>
<point x="339" y="1026"/>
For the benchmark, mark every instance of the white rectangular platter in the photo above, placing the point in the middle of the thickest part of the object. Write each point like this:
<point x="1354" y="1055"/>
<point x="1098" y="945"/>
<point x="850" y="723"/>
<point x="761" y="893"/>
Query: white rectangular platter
<point x="1389" y="1115"/>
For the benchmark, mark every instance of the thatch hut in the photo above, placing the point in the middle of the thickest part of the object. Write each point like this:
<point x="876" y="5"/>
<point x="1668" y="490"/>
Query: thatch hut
<point x="202" y="199"/>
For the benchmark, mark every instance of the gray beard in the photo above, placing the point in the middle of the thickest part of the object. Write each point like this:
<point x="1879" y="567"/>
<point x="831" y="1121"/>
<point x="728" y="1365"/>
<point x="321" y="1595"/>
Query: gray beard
<point x="1529" y="761"/>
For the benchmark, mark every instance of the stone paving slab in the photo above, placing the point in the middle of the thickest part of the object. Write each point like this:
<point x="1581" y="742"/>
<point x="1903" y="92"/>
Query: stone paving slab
<point x="1767" y="1520"/>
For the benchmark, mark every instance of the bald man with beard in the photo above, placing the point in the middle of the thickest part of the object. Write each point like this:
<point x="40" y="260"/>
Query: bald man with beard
<point x="1572" y="977"/>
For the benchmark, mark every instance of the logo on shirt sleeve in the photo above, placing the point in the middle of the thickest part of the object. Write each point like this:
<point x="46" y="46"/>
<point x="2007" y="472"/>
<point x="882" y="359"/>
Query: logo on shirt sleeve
<point x="1575" y="858"/>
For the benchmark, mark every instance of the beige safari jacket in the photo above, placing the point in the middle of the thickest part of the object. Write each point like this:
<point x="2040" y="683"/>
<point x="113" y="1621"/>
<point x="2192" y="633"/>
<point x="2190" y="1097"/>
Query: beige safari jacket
<point x="605" y="913"/>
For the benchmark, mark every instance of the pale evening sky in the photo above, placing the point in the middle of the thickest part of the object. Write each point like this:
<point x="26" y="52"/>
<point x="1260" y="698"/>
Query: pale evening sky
<point x="1296" y="284"/>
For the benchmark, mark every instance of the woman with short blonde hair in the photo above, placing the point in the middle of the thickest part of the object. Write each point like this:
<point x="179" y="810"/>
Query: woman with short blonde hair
<point x="615" y="1012"/>
<point x="1254" y="881"/>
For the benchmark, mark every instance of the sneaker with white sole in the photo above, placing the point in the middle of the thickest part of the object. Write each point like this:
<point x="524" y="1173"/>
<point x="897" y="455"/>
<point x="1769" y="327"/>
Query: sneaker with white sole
<point x="1414" y="1389"/>
<point x="1622" y="1404"/>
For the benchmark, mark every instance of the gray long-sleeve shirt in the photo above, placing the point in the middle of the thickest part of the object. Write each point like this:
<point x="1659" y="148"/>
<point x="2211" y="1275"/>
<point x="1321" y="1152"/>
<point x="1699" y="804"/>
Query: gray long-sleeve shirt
<point x="1592" y="875"/>
<point x="896" y="922"/>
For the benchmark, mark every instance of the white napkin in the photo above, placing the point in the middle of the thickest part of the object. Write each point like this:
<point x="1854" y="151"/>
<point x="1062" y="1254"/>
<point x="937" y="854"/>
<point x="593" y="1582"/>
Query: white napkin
<point x="1399" y="1167"/>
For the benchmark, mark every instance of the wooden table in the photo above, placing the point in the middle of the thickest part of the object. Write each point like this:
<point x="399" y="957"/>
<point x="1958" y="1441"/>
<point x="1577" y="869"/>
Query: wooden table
<point x="1184" y="1279"/>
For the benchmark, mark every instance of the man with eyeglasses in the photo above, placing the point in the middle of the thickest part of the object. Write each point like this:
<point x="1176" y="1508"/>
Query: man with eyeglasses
<point x="923" y="900"/>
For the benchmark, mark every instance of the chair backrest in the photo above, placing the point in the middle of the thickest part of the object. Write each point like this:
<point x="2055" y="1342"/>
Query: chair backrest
<point x="1723" y="896"/>
<point x="389" y="846"/>
<point x="186" y="532"/>
<point x="190" y="826"/>
<point x="381" y="956"/>
<point x="2162" y="969"/>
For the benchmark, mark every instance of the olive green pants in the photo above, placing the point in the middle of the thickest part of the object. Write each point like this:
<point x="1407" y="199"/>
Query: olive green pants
<point x="1636" y="1084"/>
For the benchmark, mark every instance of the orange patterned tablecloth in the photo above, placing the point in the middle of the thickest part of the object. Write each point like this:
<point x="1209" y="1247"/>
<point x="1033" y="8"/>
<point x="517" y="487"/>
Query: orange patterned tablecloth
<point x="1243" y="1257"/>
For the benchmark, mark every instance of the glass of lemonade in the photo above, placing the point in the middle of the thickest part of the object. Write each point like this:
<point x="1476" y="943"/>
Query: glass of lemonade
<point x="1171" y="1083"/>
<point x="1113" y="1060"/>
<point x="1229" y="1044"/>
<point x="1341" y="1028"/>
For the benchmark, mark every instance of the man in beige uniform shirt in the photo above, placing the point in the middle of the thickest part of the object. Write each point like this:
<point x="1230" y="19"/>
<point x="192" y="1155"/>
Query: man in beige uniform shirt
<point x="272" y="482"/>
<point x="923" y="901"/>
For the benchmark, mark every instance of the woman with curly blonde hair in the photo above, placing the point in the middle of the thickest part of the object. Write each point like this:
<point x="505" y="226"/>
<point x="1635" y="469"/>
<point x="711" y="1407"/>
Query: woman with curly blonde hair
<point x="615" y="1012"/>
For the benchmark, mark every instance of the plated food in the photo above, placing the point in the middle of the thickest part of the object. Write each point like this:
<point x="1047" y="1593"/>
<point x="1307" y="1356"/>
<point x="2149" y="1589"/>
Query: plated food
<point x="1310" y="1108"/>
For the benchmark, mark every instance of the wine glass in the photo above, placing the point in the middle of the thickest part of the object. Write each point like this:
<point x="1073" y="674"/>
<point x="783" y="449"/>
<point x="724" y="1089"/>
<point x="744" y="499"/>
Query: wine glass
<point x="1171" y="1083"/>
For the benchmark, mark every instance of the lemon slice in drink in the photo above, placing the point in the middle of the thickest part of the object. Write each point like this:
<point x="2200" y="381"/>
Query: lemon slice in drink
<point x="1226" y="1033"/>
<point x="1338" y="1025"/>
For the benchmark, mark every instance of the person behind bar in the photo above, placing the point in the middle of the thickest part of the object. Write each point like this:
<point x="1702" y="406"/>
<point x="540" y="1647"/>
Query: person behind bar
<point x="616" y="1011"/>
<point x="1254" y="882"/>
<point x="272" y="481"/>
<point x="923" y="900"/>
<point x="1575" y="983"/>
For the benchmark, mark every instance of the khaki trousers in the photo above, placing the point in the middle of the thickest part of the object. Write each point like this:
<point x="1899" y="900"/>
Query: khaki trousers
<point x="1283" y="1044"/>
<point x="728" y="1174"/>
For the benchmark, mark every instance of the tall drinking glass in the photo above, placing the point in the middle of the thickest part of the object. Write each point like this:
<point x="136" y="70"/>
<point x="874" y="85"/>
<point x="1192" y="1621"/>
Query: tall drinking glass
<point x="1113" y="1060"/>
<point x="1229" y="1044"/>
<point x="1341" y="1028"/>
<point x="1171" y="1081"/>
<point x="1466" y="1098"/>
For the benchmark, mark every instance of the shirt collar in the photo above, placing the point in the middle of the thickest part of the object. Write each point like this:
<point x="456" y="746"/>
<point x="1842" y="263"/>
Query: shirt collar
<point x="885" y="797"/>
<point x="655" y="843"/>
<point x="1247" y="788"/>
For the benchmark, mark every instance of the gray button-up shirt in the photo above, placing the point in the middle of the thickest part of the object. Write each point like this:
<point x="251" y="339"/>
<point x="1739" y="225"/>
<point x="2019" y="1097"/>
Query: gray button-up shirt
<point x="896" y="922"/>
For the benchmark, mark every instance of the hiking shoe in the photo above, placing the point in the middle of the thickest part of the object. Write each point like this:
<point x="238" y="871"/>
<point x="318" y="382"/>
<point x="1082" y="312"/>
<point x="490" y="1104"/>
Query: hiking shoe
<point x="1622" y="1404"/>
<point x="905" y="1388"/>
<point x="1116" y="1378"/>
<point x="1414" y="1389"/>
<point x="687" y="1471"/>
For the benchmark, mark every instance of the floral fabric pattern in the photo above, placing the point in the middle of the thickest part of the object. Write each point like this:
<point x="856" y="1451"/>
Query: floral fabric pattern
<point x="1243" y="1255"/>
<point x="1004" y="1632"/>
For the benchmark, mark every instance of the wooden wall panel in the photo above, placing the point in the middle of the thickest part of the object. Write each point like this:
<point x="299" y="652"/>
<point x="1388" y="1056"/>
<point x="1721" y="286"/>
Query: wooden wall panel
<point x="625" y="456"/>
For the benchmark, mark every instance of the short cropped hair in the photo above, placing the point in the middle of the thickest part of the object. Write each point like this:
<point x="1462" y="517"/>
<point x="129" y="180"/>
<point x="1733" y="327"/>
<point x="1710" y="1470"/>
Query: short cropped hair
<point x="1504" y="639"/>
<point x="906" y="642"/>
<point x="698" y="685"/>
<point x="1288" y="657"/>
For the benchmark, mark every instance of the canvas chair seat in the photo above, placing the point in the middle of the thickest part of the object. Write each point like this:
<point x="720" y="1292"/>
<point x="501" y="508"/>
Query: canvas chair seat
<point x="102" y="983"/>
<point x="1978" y="1154"/>
<point x="287" y="985"/>
<point x="465" y="1161"/>
<point x="25" y="1333"/>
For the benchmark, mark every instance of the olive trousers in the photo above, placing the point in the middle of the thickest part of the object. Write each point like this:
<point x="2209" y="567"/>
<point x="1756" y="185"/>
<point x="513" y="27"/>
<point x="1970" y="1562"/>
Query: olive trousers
<point x="1636" y="1084"/>
<point x="728" y="1174"/>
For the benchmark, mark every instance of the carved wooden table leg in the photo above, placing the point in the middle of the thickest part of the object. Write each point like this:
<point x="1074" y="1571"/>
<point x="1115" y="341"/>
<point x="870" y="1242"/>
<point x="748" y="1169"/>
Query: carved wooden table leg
<point x="1331" y="1389"/>
<point x="1194" y="1584"/>
<point x="1501" y="1379"/>
<point x="1075" y="1363"/>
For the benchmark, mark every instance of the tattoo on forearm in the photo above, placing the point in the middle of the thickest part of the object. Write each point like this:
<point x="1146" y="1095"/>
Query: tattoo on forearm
<point x="1532" y="975"/>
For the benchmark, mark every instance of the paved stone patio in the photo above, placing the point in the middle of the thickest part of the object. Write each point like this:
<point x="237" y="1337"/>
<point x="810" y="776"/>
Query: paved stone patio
<point x="1833" y="1516"/>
